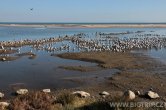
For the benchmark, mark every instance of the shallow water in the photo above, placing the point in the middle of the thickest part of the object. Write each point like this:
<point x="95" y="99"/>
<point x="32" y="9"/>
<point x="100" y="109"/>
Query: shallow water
<point x="159" y="54"/>
<point x="43" y="71"/>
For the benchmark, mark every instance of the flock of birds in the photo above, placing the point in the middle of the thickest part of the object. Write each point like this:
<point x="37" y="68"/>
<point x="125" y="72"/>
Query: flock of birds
<point x="83" y="42"/>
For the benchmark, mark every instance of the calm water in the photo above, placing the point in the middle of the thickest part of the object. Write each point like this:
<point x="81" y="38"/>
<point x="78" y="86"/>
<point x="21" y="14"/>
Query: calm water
<point x="18" y="33"/>
<point x="43" y="71"/>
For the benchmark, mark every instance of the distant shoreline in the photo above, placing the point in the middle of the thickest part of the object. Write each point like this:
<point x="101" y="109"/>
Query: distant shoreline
<point x="86" y="25"/>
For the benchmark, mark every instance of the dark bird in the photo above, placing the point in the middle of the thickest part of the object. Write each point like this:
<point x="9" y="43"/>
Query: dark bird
<point x="31" y="9"/>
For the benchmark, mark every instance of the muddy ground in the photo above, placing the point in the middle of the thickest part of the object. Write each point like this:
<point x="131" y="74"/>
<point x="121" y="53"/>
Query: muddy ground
<point x="138" y="72"/>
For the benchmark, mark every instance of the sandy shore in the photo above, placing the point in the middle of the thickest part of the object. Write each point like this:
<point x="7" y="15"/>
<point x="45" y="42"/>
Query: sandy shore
<point x="87" y="25"/>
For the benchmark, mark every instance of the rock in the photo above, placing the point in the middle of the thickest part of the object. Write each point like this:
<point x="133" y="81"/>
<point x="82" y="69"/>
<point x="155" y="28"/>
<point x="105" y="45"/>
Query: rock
<point x="104" y="94"/>
<point x="4" y="105"/>
<point x="1" y="95"/>
<point x="81" y="94"/>
<point x="46" y="90"/>
<point x="138" y="93"/>
<point x="3" y="59"/>
<point x="22" y="91"/>
<point x="152" y="95"/>
<point x="129" y="95"/>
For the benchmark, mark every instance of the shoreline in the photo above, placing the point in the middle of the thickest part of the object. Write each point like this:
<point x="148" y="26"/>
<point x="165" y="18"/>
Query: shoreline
<point x="138" y="73"/>
<point x="86" y="25"/>
<point x="141" y="73"/>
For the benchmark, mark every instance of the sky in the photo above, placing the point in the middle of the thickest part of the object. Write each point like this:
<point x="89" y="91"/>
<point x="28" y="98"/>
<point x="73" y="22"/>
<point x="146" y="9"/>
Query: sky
<point x="112" y="11"/>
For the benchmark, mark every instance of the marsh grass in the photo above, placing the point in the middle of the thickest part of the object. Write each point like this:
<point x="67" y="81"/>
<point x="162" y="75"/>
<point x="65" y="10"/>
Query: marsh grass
<point x="32" y="101"/>
<point x="67" y="101"/>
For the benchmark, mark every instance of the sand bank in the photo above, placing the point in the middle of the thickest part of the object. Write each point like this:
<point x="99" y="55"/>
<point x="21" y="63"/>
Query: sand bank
<point x="87" y="25"/>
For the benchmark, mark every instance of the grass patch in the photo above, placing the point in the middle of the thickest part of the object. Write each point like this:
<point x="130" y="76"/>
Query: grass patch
<point x="33" y="101"/>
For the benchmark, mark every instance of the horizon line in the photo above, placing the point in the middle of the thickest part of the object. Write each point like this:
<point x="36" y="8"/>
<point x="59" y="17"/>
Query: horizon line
<point x="82" y="22"/>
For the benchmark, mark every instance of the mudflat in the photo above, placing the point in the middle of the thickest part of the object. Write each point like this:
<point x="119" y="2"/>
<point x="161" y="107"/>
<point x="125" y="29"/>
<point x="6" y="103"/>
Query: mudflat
<point x="138" y="72"/>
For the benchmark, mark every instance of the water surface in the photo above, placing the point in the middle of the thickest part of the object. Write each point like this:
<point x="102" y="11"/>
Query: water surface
<point x="43" y="71"/>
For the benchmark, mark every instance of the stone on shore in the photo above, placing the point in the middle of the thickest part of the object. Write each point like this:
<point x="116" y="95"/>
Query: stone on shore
<point x="138" y="93"/>
<point x="3" y="105"/>
<point x="1" y="95"/>
<point x="152" y="95"/>
<point x="46" y="90"/>
<point x="81" y="94"/>
<point x="22" y="91"/>
<point x="130" y="95"/>
<point x="3" y="59"/>
<point x="104" y="94"/>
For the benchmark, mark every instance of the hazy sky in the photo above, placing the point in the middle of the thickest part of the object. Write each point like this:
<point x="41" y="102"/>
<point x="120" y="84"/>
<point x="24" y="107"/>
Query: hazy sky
<point x="83" y="11"/>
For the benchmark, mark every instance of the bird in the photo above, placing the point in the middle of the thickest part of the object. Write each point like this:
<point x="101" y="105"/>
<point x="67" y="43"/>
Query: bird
<point x="31" y="9"/>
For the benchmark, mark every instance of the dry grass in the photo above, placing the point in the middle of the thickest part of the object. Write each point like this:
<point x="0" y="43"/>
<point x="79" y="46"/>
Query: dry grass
<point x="67" y="101"/>
<point x="33" y="101"/>
<point x="43" y="101"/>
